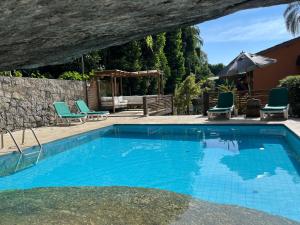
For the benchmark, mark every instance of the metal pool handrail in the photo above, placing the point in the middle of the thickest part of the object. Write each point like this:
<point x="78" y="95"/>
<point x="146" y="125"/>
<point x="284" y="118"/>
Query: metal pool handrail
<point x="37" y="140"/>
<point x="23" y="139"/>
<point x="12" y="137"/>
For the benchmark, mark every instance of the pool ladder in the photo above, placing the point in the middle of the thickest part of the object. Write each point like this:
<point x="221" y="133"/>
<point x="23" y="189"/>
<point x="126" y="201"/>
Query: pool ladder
<point x="23" y="139"/>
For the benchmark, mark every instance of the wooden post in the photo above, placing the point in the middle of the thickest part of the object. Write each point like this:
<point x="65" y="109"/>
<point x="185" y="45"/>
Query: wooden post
<point x="87" y="92"/>
<point x="115" y="86"/>
<point x="121" y="86"/>
<point x="172" y="104"/>
<point x="145" y="106"/>
<point x="158" y="85"/>
<point x="98" y="92"/>
<point x="112" y="93"/>
<point x="82" y="65"/>
<point x="158" y="88"/>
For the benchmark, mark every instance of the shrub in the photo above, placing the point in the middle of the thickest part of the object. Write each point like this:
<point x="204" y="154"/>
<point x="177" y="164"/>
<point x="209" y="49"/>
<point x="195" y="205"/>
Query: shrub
<point x="37" y="74"/>
<point x="185" y="92"/>
<point x="227" y="87"/>
<point x="72" y="75"/>
<point x="206" y="84"/>
<point x="17" y="73"/>
<point x="292" y="83"/>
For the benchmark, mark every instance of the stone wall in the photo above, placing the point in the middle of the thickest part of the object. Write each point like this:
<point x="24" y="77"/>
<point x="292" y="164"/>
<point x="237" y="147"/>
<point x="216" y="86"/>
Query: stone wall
<point x="28" y="102"/>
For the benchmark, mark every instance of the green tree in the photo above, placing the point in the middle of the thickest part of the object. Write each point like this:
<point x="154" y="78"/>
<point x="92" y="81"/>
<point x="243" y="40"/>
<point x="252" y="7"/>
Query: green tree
<point x="125" y="57"/>
<point x="192" y="43"/>
<point x="91" y="62"/>
<point x="292" y="17"/>
<point x="147" y="85"/>
<point x="204" y="71"/>
<point x="160" y="58"/>
<point x="216" y="68"/>
<point x="174" y="54"/>
<point x="185" y="92"/>
<point x="195" y="58"/>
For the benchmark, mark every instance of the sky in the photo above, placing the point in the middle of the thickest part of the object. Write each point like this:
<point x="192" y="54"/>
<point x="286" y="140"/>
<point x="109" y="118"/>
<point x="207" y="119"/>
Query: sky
<point x="250" y="31"/>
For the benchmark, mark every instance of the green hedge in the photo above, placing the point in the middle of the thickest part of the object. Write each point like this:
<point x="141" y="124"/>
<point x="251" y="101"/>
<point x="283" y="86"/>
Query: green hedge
<point x="292" y="83"/>
<point x="72" y="75"/>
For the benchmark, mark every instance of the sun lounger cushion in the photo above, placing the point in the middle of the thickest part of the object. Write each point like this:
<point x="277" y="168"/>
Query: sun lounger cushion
<point x="274" y="108"/>
<point x="219" y="109"/>
<point x="72" y="115"/>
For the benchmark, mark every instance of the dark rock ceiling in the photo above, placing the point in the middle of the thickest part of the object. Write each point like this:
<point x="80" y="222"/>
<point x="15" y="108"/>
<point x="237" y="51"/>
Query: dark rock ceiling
<point x="35" y="33"/>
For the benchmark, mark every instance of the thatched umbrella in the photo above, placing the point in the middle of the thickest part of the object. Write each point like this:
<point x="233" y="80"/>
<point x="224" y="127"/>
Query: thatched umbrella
<point x="245" y="63"/>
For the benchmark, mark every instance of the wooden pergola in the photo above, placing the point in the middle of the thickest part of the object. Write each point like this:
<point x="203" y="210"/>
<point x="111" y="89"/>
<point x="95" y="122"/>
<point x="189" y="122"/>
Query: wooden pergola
<point x="119" y="74"/>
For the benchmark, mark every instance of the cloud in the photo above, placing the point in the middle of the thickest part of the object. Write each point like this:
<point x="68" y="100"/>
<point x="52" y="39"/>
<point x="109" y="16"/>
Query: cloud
<point x="263" y="29"/>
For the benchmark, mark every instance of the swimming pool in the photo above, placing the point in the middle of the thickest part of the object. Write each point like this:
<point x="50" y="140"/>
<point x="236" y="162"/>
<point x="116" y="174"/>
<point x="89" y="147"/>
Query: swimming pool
<point x="251" y="166"/>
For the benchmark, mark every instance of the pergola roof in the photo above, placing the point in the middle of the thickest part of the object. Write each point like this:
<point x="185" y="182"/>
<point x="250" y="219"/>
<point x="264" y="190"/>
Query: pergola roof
<point x="120" y="73"/>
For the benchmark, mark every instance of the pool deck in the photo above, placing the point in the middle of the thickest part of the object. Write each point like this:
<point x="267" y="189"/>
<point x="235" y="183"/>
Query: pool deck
<point x="51" y="133"/>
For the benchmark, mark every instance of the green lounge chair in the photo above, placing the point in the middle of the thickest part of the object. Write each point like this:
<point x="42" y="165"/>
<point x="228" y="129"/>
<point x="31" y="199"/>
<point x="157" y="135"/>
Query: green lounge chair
<point x="84" y="109"/>
<point x="225" y="105"/>
<point x="63" y="113"/>
<point x="277" y="103"/>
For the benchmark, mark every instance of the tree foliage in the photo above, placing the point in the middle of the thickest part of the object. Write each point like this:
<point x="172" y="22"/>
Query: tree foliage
<point x="176" y="53"/>
<point x="72" y="75"/>
<point x="206" y="84"/>
<point x="292" y="17"/>
<point x="195" y="58"/>
<point x="216" y="68"/>
<point x="185" y="92"/>
<point x="15" y="73"/>
<point x="227" y="86"/>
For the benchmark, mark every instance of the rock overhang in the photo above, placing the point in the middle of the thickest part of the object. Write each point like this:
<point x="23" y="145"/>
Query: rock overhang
<point x="36" y="33"/>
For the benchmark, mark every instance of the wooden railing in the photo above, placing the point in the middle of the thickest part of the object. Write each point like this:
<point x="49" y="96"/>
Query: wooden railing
<point x="241" y="98"/>
<point x="158" y="105"/>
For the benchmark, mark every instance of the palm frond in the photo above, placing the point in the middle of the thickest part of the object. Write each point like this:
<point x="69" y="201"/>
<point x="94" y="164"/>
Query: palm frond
<point x="292" y="18"/>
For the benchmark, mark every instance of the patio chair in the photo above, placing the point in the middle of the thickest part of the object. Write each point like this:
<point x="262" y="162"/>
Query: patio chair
<point x="277" y="103"/>
<point x="84" y="109"/>
<point x="225" y="105"/>
<point x="63" y="112"/>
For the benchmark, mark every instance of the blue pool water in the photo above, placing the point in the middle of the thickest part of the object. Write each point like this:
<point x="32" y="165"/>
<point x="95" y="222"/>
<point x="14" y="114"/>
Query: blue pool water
<point x="252" y="166"/>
